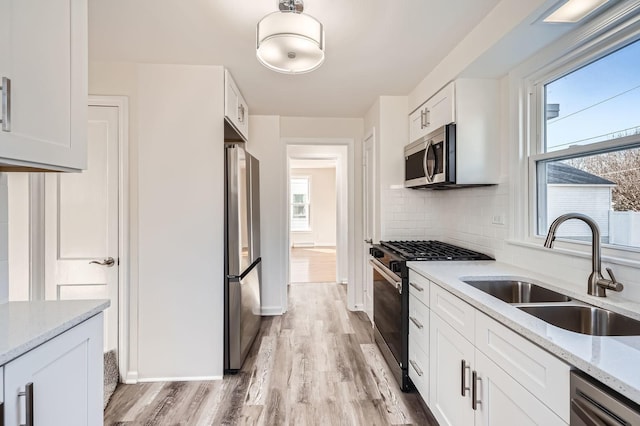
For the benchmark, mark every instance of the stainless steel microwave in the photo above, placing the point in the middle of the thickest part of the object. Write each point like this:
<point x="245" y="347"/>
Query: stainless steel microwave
<point x="431" y="160"/>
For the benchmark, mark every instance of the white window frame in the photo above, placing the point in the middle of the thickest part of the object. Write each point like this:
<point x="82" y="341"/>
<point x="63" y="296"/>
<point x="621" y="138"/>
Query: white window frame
<point x="595" y="40"/>
<point x="308" y="203"/>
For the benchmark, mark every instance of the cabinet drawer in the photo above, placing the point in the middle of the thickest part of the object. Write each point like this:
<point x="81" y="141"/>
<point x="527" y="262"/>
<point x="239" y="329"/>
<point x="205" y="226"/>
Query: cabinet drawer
<point x="419" y="287"/>
<point x="457" y="313"/>
<point x="541" y="373"/>
<point x="418" y="324"/>
<point x="419" y="370"/>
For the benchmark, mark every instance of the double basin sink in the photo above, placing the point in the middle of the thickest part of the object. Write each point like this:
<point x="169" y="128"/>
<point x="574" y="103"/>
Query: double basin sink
<point x="558" y="309"/>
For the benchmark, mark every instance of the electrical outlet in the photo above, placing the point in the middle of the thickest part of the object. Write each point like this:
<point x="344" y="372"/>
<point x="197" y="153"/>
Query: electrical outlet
<point x="497" y="219"/>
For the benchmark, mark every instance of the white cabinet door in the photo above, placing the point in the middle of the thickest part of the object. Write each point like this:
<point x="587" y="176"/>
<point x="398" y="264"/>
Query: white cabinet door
<point x="504" y="402"/>
<point x="441" y="108"/>
<point x="44" y="54"/>
<point x="435" y="112"/>
<point x="449" y="378"/>
<point x="235" y="107"/>
<point x="65" y="375"/>
<point x="417" y="124"/>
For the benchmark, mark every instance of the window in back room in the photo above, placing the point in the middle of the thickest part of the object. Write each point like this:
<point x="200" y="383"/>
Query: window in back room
<point x="588" y="156"/>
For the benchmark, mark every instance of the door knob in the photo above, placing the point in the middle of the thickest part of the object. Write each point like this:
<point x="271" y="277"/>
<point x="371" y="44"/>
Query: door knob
<point x="108" y="262"/>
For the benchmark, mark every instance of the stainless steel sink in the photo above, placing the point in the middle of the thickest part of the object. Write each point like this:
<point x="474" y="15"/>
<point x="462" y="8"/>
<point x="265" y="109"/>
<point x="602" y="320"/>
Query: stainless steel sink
<point x="513" y="291"/>
<point x="585" y="319"/>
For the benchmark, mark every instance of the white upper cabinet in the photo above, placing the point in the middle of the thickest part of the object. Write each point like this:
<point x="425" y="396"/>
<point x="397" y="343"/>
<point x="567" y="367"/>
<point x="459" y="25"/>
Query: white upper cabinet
<point x="43" y="47"/>
<point x="473" y="105"/>
<point x="436" y="112"/>
<point x="236" y="110"/>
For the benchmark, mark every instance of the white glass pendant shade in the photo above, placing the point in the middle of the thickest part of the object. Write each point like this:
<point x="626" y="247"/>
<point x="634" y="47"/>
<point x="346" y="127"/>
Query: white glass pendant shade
<point x="291" y="43"/>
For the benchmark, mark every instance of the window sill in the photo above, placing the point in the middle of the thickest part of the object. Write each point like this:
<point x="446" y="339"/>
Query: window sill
<point x="582" y="250"/>
<point x="300" y="231"/>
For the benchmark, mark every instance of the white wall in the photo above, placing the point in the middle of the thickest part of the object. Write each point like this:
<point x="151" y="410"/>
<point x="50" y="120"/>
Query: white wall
<point x="388" y="118"/>
<point x="176" y="210"/>
<point x="323" y="207"/>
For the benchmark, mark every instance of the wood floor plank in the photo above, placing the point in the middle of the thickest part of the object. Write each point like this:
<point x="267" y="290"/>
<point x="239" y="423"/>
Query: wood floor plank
<point x="315" y="365"/>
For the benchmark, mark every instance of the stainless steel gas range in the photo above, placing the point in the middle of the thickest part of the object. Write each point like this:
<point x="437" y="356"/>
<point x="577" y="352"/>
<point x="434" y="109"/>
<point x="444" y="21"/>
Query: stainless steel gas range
<point x="391" y="294"/>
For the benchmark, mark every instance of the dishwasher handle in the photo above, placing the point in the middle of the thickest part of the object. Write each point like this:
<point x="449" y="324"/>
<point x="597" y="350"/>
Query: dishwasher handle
<point x="589" y="414"/>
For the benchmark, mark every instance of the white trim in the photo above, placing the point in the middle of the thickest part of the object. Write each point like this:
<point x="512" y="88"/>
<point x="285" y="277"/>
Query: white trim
<point x="179" y="379"/>
<point x="124" y="350"/>
<point x="270" y="311"/>
<point x="131" y="378"/>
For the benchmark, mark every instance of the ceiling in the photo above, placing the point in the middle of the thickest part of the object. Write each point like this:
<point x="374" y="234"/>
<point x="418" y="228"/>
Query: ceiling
<point x="373" y="47"/>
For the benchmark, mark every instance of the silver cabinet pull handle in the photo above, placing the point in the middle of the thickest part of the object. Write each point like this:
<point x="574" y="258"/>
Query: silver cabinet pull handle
<point x="416" y="367"/>
<point x="6" y="104"/>
<point x="428" y="117"/>
<point x="28" y="403"/>
<point x="463" y="377"/>
<point x="416" y="286"/>
<point x="108" y="262"/>
<point x="241" y="113"/>
<point x="416" y="322"/>
<point x="369" y="241"/>
<point x="423" y="121"/>
<point x="474" y="390"/>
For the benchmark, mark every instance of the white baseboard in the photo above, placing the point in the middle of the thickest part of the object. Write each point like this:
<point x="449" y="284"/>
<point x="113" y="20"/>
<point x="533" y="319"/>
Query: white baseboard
<point x="179" y="379"/>
<point x="304" y="244"/>
<point x="270" y="311"/>
<point x="131" y="378"/>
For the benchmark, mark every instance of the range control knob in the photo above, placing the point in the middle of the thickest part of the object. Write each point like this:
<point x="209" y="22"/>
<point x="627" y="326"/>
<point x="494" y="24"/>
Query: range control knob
<point x="376" y="253"/>
<point x="395" y="266"/>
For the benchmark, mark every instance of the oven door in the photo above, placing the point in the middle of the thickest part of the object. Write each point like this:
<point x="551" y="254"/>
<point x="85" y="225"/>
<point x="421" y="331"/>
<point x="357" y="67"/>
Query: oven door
<point x="387" y="308"/>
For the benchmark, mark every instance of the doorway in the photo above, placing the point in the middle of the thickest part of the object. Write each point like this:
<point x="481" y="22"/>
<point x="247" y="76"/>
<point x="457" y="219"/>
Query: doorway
<point x="68" y="234"/>
<point x="312" y="220"/>
<point x="317" y="220"/>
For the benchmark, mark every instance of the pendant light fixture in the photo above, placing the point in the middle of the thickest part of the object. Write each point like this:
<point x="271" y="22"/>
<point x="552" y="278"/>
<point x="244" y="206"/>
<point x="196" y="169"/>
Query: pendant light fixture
<point x="290" y="41"/>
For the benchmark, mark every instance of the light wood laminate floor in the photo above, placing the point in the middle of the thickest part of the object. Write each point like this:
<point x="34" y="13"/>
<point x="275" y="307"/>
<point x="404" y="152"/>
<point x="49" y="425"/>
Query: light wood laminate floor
<point x="312" y="265"/>
<point x="315" y="365"/>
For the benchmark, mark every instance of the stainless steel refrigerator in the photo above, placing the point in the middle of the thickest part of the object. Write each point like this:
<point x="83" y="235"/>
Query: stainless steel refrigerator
<point x="242" y="255"/>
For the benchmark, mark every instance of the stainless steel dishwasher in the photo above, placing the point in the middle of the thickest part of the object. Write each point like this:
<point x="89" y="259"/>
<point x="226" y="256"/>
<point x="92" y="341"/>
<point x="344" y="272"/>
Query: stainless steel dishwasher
<point x="593" y="404"/>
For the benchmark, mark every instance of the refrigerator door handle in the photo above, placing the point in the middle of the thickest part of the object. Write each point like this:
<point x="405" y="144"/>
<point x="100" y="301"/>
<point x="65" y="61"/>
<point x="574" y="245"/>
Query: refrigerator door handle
<point x="246" y="271"/>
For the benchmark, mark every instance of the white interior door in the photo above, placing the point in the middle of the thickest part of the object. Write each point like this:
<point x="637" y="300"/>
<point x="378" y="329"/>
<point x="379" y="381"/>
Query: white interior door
<point x="369" y="220"/>
<point x="81" y="224"/>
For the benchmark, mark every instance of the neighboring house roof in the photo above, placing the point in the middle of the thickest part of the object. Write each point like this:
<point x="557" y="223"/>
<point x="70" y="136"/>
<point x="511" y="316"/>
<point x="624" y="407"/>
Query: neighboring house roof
<point x="560" y="173"/>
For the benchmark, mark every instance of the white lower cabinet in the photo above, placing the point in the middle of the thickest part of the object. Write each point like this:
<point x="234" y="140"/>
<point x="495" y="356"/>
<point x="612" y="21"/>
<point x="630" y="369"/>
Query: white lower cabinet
<point x="460" y="374"/>
<point x="476" y="371"/>
<point x="451" y="360"/>
<point x="59" y="383"/>
<point x="501" y="400"/>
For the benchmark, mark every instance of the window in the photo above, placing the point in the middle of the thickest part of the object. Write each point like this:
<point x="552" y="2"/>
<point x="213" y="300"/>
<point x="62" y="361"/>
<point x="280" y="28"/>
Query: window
<point x="587" y="158"/>
<point x="300" y="206"/>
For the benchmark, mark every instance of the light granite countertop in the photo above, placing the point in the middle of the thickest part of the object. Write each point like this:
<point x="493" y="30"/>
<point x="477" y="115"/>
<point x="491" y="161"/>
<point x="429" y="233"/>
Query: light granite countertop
<point x="25" y="325"/>
<point x="613" y="361"/>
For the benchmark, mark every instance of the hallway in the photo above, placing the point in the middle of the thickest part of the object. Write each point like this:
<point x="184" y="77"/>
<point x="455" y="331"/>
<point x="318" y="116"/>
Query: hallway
<point x="312" y="265"/>
<point x="315" y="365"/>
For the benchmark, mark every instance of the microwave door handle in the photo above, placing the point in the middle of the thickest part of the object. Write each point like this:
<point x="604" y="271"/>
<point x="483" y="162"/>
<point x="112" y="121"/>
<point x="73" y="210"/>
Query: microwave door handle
<point x="429" y="173"/>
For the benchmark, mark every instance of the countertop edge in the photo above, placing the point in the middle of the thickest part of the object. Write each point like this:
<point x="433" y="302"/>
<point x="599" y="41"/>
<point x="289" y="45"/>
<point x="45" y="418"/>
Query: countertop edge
<point x="483" y="302"/>
<point x="50" y="333"/>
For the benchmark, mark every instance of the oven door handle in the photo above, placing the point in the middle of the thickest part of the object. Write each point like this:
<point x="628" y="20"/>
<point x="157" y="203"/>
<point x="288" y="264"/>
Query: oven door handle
<point x="389" y="276"/>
